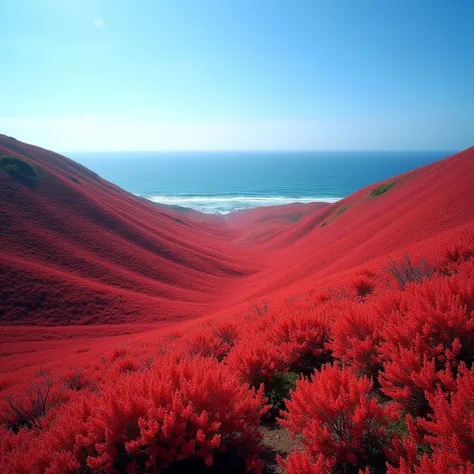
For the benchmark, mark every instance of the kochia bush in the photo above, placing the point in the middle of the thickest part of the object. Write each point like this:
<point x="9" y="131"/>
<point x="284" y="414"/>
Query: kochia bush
<point x="341" y="421"/>
<point x="192" y="409"/>
<point x="145" y="421"/>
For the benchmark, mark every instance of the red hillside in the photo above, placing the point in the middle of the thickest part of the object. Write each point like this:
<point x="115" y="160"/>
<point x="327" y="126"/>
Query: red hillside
<point x="79" y="250"/>
<point x="142" y="338"/>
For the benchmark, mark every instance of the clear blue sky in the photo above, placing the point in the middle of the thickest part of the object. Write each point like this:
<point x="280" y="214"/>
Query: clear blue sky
<point x="238" y="74"/>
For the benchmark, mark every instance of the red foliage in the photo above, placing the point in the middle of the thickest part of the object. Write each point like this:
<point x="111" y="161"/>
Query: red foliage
<point x="356" y="337"/>
<point x="49" y="451"/>
<point x="439" y="463"/>
<point x="338" y="416"/>
<point x="451" y="426"/>
<point x="449" y="431"/>
<point x="457" y="253"/>
<point x="363" y="286"/>
<point x="255" y="361"/>
<point x="301" y="337"/>
<point x="176" y="411"/>
<point x="430" y="329"/>
<point x="409" y="376"/>
<point x="298" y="462"/>
<point x="211" y="340"/>
<point x="193" y="409"/>
<point x="31" y="408"/>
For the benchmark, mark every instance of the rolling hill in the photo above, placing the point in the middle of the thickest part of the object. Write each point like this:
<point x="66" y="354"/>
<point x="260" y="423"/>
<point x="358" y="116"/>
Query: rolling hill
<point x="143" y="338"/>
<point x="78" y="250"/>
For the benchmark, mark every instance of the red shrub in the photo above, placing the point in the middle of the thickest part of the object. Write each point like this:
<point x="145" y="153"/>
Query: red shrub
<point x="409" y="376"/>
<point x="442" y="463"/>
<point x="338" y="417"/>
<point x="299" y="462"/>
<point x="176" y="411"/>
<point x="194" y="409"/>
<point x="449" y="431"/>
<point x="76" y="379"/>
<point x="126" y="365"/>
<point x="403" y="451"/>
<point x="356" y="339"/>
<point x="211" y="340"/>
<point x="451" y="426"/>
<point x="256" y="361"/>
<point x="363" y="286"/>
<point x="30" y="406"/>
<point x="454" y="255"/>
<point x="50" y="451"/>
<point x="429" y="330"/>
<point x="440" y="312"/>
<point x="301" y="337"/>
<point x="407" y="271"/>
<point x="439" y="463"/>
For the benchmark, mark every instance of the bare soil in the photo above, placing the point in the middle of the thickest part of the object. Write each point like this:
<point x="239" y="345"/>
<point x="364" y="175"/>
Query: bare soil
<point x="277" y="441"/>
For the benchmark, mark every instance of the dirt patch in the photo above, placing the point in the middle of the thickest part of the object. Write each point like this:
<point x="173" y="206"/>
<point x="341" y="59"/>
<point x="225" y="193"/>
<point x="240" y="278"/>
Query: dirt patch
<point x="277" y="441"/>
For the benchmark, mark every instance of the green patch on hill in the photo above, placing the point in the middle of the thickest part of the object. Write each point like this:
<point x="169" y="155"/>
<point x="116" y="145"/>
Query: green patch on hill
<point x="383" y="188"/>
<point x="335" y="216"/>
<point x="18" y="169"/>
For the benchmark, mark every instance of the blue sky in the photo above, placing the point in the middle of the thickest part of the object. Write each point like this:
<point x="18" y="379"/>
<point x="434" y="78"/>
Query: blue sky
<point x="238" y="74"/>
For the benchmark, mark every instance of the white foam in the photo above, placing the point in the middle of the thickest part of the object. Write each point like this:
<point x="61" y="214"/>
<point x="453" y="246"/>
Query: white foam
<point x="226" y="204"/>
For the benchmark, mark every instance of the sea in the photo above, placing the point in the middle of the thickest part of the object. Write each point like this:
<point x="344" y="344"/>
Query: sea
<point x="222" y="182"/>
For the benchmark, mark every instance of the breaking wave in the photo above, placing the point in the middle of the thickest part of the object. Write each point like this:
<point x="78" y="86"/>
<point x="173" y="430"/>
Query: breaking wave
<point x="226" y="204"/>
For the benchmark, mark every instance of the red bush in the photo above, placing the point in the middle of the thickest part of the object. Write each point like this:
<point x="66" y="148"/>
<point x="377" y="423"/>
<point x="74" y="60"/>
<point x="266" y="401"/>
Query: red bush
<point x="194" y="409"/>
<point x="176" y="411"/>
<point x="53" y="450"/>
<point x="456" y="254"/>
<point x="448" y="432"/>
<point x="363" y="286"/>
<point x="211" y="340"/>
<point x="356" y="339"/>
<point x="439" y="463"/>
<point x="299" y="462"/>
<point x="30" y="406"/>
<point x="451" y="427"/>
<point x="409" y="376"/>
<point x="301" y="336"/>
<point x="256" y="361"/>
<point x="440" y="312"/>
<point x="338" y="416"/>
<point x="429" y="330"/>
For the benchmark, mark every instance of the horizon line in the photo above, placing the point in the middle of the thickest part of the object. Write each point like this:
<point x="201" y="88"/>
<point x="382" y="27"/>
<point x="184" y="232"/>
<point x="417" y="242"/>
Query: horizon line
<point x="270" y="150"/>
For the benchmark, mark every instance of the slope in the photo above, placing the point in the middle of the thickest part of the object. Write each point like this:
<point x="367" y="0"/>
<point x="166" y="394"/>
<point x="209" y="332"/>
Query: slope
<point x="79" y="250"/>
<point x="412" y="211"/>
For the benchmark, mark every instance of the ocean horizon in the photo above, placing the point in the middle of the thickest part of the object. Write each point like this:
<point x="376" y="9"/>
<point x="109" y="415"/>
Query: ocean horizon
<point x="221" y="182"/>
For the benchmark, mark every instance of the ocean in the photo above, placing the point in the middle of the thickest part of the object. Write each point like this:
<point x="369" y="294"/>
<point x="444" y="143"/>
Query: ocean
<point x="221" y="182"/>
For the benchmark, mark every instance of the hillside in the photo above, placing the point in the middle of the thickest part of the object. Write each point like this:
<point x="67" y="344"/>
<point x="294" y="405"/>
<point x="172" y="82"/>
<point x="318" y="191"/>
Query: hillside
<point x="79" y="250"/>
<point x="301" y="339"/>
<point x="419" y="209"/>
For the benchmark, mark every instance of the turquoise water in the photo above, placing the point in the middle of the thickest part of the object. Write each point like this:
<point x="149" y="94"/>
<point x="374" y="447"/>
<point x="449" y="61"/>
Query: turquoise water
<point x="220" y="182"/>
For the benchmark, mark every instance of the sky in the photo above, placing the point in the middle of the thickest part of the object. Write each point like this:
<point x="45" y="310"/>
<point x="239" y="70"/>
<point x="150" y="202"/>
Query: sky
<point x="93" y="75"/>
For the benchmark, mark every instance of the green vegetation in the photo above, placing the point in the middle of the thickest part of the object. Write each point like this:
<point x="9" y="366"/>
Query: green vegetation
<point x="18" y="169"/>
<point x="383" y="188"/>
<point x="279" y="389"/>
<point x="338" y="213"/>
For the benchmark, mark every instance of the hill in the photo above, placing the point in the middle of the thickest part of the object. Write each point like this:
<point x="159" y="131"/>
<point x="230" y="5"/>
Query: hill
<point x="142" y="338"/>
<point x="414" y="213"/>
<point x="79" y="250"/>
